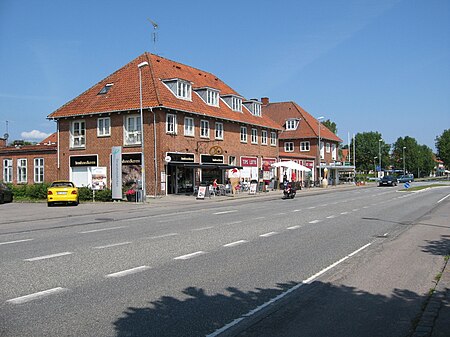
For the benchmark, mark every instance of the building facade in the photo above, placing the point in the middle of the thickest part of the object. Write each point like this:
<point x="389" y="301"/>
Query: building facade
<point x="176" y="126"/>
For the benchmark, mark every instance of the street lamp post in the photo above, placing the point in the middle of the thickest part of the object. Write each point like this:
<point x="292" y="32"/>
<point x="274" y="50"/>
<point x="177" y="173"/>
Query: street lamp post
<point x="318" y="150"/>
<point x="374" y="165"/>
<point x="404" y="167"/>
<point x="144" y="191"/>
<point x="379" y="154"/>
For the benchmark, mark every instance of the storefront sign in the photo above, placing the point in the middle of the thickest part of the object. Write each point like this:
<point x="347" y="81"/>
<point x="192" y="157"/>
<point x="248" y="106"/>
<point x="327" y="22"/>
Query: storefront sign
<point x="80" y="161"/>
<point x="98" y="178"/>
<point x="201" y="192"/>
<point x="249" y="161"/>
<point x="131" y="159"/>
<point x="309" y="164"/>
<point x="116" y="172"/>
<point x="205" y="159"/>
<point x="181" y="157"/>
<point x="267" y="162"/>
<point x="253" y="187"/>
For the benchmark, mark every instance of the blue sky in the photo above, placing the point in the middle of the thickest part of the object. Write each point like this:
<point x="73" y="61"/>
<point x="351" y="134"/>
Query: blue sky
<point x="381" y="65"/>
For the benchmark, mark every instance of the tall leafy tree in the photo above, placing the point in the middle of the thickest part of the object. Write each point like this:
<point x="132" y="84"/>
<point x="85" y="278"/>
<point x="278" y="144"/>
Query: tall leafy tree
<point x="368" y="146"/>
<point x="331" y="126"/>
<point x="443" y="147"/>
<point x="418" y="158"/>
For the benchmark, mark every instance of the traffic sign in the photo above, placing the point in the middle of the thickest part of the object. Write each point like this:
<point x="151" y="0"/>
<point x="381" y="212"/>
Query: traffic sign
<point x="406" y="185"/>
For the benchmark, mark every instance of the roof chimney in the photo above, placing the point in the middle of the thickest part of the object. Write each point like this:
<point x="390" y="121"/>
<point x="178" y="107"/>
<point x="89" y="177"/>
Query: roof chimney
<point x="265" y="100"/>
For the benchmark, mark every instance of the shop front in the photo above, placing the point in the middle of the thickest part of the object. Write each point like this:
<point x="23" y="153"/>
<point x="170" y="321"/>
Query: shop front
<point x="249" y="168"/>
<point x="180" y="173"/>
<point x="131" y="171"/>
<point x="80" y="169"/>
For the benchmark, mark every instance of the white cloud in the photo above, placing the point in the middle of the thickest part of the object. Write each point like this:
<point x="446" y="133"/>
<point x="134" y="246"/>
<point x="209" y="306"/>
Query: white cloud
<point x="34" y="135"/>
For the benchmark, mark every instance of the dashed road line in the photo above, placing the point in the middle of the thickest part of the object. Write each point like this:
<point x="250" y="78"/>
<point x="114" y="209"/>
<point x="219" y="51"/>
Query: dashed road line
<point x="38" y="258"/>
<point x="266" y="235"/>
<point x="128" y="272"/>
<point x="16" y="241"/>
<point x="189" y="256"/>
<point x="225" y="212"/>
<point x="102" y="229"/>
<point x="332" y="216"/>
<point x="113" y="245"/>
<point x="236" y="243"/>
<point x="315" y="221"/>
<point x="294" y="227"/>
<point x="202" y="229"/>
<point x="161" y="236"/>
<point x="35" y="296"/>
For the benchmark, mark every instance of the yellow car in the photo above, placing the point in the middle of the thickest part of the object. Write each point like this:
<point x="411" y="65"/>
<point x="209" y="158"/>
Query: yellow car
<point x="62" y="191"/>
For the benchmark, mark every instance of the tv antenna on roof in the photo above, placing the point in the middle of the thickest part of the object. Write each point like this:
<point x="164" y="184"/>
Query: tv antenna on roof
<point x="154" y="34"/>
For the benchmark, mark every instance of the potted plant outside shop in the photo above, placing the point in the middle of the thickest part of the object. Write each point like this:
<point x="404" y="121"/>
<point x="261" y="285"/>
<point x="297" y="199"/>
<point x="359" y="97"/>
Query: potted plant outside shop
<point x="130" y="195"/>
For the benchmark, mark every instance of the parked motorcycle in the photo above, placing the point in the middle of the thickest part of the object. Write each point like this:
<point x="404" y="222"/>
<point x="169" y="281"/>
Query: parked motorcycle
<point x="289" y="192"/>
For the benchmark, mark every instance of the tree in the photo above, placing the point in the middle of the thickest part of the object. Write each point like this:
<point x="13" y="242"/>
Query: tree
<point x="418" y="158"/>
<point x="368" y="146"/>
<point x="331" y="126"/>
<point x="443" y="147"/>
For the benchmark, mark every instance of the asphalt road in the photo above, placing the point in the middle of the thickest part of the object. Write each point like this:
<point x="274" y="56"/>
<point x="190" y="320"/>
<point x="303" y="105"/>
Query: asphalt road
<point x="188" y="269"/>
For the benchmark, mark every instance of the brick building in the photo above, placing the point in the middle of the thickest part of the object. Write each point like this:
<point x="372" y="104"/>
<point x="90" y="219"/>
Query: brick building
<point x="299" y="140"/>
<point x="195" y="128"/>
<point x="29" y="164"/>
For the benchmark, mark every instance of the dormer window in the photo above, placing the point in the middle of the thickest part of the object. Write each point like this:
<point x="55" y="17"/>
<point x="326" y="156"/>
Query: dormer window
<point x="254" y="107"/>
<point x="209" y="95"/>
<point x="105" y="89"/>
<point x="234" y="102"/>
<point x="292" y="124"/>
<point x="180" y="88"/>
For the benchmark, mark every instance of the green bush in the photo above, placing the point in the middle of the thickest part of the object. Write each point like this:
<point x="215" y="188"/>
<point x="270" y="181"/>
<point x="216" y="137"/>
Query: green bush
<point x="84" y="194"/>
<point x="20" y="191"/>
<point x="103" y="195"/>
<point x="37" y="191"/>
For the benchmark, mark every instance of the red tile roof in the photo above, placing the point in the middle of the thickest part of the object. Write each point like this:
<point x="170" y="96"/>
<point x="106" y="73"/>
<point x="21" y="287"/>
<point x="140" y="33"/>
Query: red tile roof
<point x="308" y="127"/>
<point x="124" y="93"/>
<point x="52" y="139"/>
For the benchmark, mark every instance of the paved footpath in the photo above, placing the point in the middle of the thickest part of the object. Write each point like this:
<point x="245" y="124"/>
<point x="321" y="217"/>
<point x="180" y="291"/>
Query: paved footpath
<point x="393" y="281"/>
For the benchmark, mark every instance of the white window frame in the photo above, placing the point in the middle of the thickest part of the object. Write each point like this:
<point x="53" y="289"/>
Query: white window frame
<point x="204" y="128"/>
<point x="103" y="126"/>
<point x="22" y="176"/>
<point x="184" y="90"/>
<point x="273" y="139"/>
<point x="218" y="130"/>
<point x="244" y="134"/>
<point x="78" y="134"/>
<point x="264" y="137"/>
<point x="212" y="97"/>
<point x="254" y="136"/>
<point x="257" y="109"/>
<point x="171" y="124"/>
<point x="132" y="131"/>
<point x="39" y="168"/>
<point x="291" y="124"/>
<point x="236" y="104"/>
<point x="189" y="129"/>
<point x="322" y="150"/>
<point x="305" y="146"/>
<point x="328" y="148"/>
<point x="333" y="152"/>
<point x="8" y="170"/>
<point x="288" y="146"/>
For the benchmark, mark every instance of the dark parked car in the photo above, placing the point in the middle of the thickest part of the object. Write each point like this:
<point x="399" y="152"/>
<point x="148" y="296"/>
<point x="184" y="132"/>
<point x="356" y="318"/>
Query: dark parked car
<point x="406" y="178"/>
<point x="6" y="195"/>
<point x="388" y="181"/>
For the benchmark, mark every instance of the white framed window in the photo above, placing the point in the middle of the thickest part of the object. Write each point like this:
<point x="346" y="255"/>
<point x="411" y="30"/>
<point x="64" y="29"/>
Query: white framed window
<point x="232" y="160"/>
<point x="243" y="134"/>
<point x="78" y="134"/>
<point x="236" y="104"/>
<point x="204" y="129"/>
<point x="273" y="139"/>
<point x="103" y="127"/>
<point x="132" y="130"/>
<point x="189" y="126"/>
<point x="22" y="170"/>
<point x="263" y="137"/>
<point x="333" y="152"/>
<point x="322" y="150"/>
<point x="184" y="89"/>
<point x="7" y="170"/>
<point x="291" y="124"/>
<point x="289" y="147"/>
<point x="219" y="130"/>
<point x="212" y="97"/>
<point x="328" y="148"/>
<point x="171" y="123"/>
<point x="38" y="170"/>
<point x="305" y="146"/>
<point x="257" y="109"/>
<point x="254" y="136"/>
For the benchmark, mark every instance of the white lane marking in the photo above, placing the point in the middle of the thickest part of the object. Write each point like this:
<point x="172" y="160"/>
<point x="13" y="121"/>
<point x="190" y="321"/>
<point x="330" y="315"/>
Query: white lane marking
<point x="189" y="256"/>
<point x="202" y="229"/>
<point x="355" y="210"/>
<point x="225" y="212"/>
<point x="294" y="227"/>
<point x="113" y="245"/>
<point x="331" y="216"/>
<point x="128" y="271"/>
<point x="266" y="235"/>
<point x="257" y="218"/>
<point x="343" y="213"/>
<point x="102" y="229"/>
<point x="240" y="221"/>
<point x="296" y="210"/>
<point x="38" y="258"/>
<point x="161" y="236"/>
<point x="312" y="207"/>
<point x="236" y="243"/>
<point x="441" y="200"/>
<point x="282" y="213"/>
<point x="16" y="241"/>
<point x="35" y="296"/>
<point x="315" y="221"/>
<point x="366" y="207"/>
<point x="284" y="294"/>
